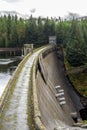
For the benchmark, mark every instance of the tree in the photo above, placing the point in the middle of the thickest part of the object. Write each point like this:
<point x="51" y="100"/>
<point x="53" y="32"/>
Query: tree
<point x="21" y="32"/>
<point x="40" y="34"/>
<point x="31" y="30"/>
<point x="76" y="45"/>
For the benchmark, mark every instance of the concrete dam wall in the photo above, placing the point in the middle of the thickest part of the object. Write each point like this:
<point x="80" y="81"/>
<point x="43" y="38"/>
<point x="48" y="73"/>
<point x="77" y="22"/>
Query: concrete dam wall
<point x="55" y="102"/>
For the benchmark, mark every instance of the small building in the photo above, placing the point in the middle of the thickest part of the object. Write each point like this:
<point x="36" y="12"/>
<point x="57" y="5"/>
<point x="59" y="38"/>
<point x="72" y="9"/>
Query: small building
<point x="52" y="40"/>
<point x="28" y="48"/>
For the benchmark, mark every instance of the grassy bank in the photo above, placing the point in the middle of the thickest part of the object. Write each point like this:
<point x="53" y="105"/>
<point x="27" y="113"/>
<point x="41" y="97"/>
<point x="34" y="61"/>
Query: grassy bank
<point x="79" y="80"/>
<point x="77" y="76"/>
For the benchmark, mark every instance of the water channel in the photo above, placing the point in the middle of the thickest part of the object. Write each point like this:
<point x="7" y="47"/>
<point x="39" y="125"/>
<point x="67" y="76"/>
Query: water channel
<point x="7" y="67"/>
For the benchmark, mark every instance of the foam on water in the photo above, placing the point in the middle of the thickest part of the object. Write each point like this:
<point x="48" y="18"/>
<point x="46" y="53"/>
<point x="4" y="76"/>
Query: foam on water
<point x="4" y="78"/>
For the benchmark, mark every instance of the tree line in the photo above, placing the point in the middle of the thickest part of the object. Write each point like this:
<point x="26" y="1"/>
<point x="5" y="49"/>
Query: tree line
<point x="14" y="32"/>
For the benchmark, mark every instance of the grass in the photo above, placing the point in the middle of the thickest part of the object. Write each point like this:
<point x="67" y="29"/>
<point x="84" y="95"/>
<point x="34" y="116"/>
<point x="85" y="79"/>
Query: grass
<point x="67" y="65"/>
<point x="30" y="109"/>
<point x="80" y="82"/>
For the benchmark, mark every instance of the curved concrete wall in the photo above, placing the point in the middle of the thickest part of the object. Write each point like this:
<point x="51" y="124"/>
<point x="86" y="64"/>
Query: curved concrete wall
<point x="37" y="115"/>
<point x="47" y="74"/>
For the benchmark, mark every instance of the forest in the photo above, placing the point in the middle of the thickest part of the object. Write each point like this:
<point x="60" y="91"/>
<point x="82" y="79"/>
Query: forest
<point x="71" y="34"/>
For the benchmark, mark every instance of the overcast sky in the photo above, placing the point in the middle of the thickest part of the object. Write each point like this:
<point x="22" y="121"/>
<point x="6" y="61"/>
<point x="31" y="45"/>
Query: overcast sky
<point x="45" y="8"/>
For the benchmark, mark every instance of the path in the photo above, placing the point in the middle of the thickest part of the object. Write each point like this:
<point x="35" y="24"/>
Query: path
<point x="15" y="117"/>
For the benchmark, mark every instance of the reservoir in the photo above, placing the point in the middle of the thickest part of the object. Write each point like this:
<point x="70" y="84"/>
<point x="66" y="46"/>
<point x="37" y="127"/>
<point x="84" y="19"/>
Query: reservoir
<point x="7" y="67"/>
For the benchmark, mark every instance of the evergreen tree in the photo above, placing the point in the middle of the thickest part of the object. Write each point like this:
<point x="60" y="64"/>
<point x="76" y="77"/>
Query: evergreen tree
<point x="40" y="34"/>
<point x="75" y="46"/>
<point x="31" y="31"/>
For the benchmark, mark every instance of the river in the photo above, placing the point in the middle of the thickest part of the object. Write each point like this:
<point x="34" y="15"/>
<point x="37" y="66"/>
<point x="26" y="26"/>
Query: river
<point x="7" y="67"/>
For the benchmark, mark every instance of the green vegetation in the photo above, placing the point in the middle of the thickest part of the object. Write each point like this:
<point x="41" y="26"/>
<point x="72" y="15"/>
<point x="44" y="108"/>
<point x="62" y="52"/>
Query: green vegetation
<point x="76" y="49"/>
<point x="77" y="77"/>
<point x="72" y="35"/>
<point x="15" y="32"/>
<point x="30" y="107"/>
<point x="80" y="82"/>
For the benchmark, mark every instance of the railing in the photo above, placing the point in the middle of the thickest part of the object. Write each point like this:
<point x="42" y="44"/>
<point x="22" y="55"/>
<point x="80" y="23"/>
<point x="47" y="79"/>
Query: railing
<point x="10" y="49"/>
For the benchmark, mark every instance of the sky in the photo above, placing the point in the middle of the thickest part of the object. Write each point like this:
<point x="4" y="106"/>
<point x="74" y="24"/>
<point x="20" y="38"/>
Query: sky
<point x="44" y="8"/>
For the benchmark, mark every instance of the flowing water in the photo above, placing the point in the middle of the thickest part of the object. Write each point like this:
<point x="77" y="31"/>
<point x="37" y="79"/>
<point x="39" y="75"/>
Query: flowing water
<point x="4" y="78"/>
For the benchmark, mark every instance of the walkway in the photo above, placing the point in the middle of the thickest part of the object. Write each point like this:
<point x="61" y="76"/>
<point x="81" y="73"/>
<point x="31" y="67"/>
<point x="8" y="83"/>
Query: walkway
<point x="15" y="116"/>
<point x="10" y="49"/>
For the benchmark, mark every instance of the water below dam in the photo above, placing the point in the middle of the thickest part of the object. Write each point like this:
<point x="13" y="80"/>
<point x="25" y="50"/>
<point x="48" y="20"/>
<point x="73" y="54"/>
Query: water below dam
<point x="7" y="66"/>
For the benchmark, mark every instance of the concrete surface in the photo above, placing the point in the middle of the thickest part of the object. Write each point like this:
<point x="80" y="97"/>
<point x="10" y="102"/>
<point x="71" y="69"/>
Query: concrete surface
<point x="53" y="113"/>
<point x="15" y="116"/>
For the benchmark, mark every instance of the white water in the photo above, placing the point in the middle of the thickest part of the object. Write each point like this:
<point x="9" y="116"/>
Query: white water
<point x="5" y="61"/>
<point x="4" y="78"/>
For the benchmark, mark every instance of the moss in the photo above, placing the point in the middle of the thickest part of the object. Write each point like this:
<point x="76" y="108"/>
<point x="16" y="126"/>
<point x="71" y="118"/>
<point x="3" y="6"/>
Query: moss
<point x="85" y="121"/>
<point x="30" y="109"/>
<point x="1" y="126"/>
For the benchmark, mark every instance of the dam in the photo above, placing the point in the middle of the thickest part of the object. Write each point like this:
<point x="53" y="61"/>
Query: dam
<point x="56" y="105"/>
